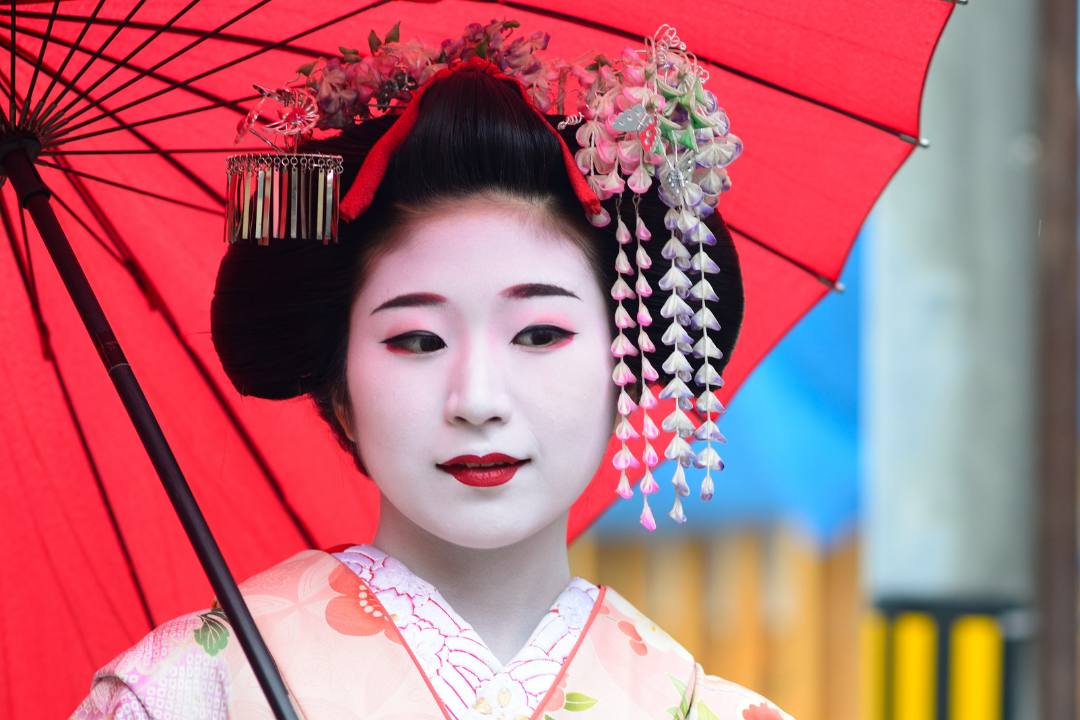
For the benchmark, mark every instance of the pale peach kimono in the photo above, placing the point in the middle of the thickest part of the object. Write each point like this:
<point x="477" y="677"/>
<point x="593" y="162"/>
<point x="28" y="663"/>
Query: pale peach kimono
<point x="344" y="658"/>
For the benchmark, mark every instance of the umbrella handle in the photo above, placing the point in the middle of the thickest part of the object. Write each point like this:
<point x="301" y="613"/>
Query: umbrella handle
<point x="34" y="196"/>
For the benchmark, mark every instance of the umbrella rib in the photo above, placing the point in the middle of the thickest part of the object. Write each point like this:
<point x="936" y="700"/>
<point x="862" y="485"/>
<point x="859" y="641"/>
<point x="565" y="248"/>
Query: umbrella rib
<point x="30" y="268"/>
<point x="166" y="151"/>
<point x="71" y="46"/>
<point x="11" y="84"/>
<point x="181" y="167"/>
<point x="89" y="230"/>
<point x="130" y="188"/>
<point x="50" y="356"/>
<point x="227" y="37"/>
<point x="93" y="57"/>
<point x="211" y="34"/>
<point x="823" y="279"/>
<point x="147" y="287"/>
<point x="109" y="73"/>
<point x="127" y="126"/>
<point x="251" y="55"/>
<point x="37" y="65"/>
<point x="26" y="273"/>
<point x="32" y="289"/>
<point x="287" y="45"/>
<point x="184" y="168"/>
<point x="555" y="15"/>
<point x="100" y="483"/>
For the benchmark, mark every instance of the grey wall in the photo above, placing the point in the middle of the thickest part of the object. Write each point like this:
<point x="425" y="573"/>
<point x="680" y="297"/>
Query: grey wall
<point x="948" y="327"/>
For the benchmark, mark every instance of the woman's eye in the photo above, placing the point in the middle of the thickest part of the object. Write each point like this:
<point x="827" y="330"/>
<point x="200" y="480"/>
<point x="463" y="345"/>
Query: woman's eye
<point x="542" y="336"/>
<point x="415" y="343"/>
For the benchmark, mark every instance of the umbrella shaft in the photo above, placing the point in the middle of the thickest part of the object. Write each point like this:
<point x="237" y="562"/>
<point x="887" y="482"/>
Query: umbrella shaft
<point x="34" y="196"/>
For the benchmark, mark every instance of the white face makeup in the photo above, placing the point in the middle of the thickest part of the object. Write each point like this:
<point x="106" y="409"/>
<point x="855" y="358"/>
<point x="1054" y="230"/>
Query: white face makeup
<point x="481" y="338"/>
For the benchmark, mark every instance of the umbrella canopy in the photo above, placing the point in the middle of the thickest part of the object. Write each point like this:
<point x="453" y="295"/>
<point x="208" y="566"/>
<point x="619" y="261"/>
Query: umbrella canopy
<point x="825" y="97"/>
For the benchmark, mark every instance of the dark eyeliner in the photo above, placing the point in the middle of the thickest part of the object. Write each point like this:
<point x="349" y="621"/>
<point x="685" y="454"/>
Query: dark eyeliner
<point x="400" y="342"/>
<point x="559" y="334"/>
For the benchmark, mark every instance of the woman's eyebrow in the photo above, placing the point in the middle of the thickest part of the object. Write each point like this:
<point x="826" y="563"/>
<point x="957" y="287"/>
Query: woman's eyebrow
<point x="531" y="290"/>
<point x="411" y="300"/>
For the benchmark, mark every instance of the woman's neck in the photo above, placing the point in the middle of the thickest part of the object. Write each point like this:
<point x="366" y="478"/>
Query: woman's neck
<point x="503" y="593"/>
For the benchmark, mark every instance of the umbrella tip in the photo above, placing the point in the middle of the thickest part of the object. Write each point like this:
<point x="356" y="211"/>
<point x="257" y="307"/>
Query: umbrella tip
<point x="830" y="283"/>
<point x="920" y="141"/>
<point x="923" y="142"/>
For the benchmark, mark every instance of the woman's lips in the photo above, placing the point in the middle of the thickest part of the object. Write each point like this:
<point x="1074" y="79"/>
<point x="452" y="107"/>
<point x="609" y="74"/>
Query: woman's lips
<point x="486" y="471"/>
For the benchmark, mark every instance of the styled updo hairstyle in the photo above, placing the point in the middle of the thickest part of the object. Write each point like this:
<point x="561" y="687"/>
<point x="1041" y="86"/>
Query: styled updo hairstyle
<point x="280" y="313"/>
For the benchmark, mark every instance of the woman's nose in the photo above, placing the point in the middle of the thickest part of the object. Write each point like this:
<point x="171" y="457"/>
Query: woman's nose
<point x="478" y="395"/>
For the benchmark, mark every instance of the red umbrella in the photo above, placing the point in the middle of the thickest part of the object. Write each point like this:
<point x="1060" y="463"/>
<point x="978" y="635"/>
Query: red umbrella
<point x="826" y="99"/>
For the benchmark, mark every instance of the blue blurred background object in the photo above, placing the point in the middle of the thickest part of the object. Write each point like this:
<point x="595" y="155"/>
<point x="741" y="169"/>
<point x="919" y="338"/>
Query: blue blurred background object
<point x="792" y="454"/>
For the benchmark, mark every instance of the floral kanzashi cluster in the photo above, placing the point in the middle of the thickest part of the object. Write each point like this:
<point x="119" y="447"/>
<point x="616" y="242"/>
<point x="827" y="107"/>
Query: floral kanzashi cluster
<point x="647" y="118"/>
<point x="354" y="87"/>
<point x="337" y="92"/>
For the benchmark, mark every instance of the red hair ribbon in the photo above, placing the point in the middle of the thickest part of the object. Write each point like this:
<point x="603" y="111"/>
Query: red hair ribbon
<point x="360" y="195"/>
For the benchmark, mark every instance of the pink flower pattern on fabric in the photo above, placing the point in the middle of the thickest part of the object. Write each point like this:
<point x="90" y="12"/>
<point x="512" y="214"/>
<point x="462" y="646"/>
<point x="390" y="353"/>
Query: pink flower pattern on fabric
<point x="466" y="675"/>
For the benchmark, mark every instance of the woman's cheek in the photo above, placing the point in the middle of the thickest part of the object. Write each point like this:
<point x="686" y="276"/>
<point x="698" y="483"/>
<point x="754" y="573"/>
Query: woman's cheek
<point x="579" y="405"/>
<point x="397" y="392"/>
<point x="588" y="374"/>
<point x="375" y="389"/>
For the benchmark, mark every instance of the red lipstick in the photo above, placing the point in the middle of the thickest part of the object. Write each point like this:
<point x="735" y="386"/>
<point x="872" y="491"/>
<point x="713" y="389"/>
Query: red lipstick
<point x="487" y="471"/>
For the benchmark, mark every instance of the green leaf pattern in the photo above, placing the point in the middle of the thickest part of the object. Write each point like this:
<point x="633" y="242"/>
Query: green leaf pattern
<point x="213" y="634"/>
<point x="680" y="711"/>
<point x="577" y="702"/>
<point x="704" y="713"/>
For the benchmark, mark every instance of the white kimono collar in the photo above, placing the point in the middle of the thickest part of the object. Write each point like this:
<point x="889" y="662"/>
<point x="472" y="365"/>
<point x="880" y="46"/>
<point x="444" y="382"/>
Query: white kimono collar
<point x="469" y="679"/>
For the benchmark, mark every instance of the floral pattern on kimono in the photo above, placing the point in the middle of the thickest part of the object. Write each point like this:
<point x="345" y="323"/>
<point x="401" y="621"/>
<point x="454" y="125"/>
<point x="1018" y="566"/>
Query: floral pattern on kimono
<point x="344" y="657"/>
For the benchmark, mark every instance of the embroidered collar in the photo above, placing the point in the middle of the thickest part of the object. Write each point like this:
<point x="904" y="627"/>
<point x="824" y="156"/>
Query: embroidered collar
<point x="469" y="679"/>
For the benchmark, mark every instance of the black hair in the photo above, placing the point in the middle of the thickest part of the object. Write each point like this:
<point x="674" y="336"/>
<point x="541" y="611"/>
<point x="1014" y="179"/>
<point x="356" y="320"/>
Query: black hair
<point x="280" y="313"/>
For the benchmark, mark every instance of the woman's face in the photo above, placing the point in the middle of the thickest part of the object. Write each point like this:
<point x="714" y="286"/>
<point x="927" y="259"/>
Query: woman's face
<point x="481" y="339"/>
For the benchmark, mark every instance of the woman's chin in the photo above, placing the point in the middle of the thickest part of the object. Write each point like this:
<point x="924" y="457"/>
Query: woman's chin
<point x="481" y="525"/>
<point x="489" y="528"/>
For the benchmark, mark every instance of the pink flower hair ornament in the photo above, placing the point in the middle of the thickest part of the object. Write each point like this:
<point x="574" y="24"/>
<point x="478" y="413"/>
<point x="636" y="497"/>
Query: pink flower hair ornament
<point x="644" y="118"/>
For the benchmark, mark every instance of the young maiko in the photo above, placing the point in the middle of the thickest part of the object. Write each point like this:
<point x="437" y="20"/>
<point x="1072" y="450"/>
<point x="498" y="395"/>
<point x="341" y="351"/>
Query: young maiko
<point x="460" y="339"/>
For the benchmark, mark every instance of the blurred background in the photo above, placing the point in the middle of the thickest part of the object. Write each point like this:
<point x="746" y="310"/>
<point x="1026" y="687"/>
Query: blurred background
<point x="870" y="553"/>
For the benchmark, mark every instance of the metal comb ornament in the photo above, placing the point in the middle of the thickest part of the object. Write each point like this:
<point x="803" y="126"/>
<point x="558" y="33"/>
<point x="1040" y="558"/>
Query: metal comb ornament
<point x="279" y="196"/>
<point x="284" y="194"/>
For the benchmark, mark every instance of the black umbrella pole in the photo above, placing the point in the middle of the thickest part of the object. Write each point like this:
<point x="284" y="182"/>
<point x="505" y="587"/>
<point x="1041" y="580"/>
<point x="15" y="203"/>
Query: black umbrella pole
<point x="34" y="196"/>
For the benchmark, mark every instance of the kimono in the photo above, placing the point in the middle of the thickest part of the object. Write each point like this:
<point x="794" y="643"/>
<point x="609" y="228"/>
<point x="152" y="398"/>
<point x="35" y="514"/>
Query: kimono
<point x="357" y="635"/>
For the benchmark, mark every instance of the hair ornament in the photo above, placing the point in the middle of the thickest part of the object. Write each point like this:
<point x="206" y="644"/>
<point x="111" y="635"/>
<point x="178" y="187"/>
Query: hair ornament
<point x="648" y="483"/>
<point x="676" y="513"/>
<point x="282" y="196"/>
<point x="648" y="117"/>
<point x="646" y="515"/>
<point x="643" y="119"/>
